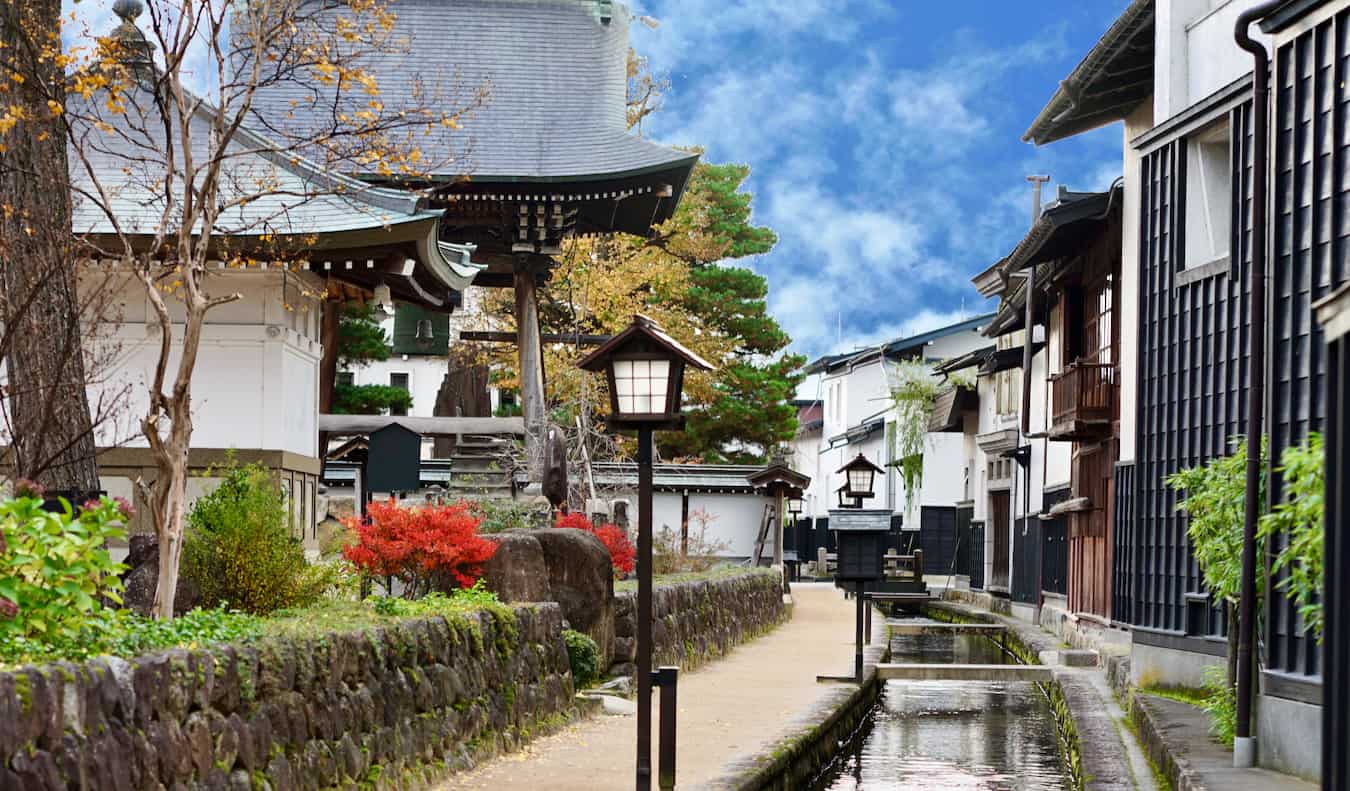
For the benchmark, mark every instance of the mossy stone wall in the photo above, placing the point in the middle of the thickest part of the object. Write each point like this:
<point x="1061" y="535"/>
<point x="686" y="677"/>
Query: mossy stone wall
<point x="383" y="708"/>
<point x="697" y="621"/>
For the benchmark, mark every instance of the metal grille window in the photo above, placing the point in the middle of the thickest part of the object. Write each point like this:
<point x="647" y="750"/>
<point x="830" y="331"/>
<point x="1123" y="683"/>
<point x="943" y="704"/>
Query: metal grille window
<point x="399" y="381"/>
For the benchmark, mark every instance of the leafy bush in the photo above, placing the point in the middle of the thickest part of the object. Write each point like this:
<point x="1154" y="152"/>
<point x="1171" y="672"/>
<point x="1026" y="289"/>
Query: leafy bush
<point x="1220" y="704"/>
<point x="584" y="657"/>
<point x="1214" y="501"/>
<point x="57" y="573"/>
<point x="1300" y="517"/>
<point x="239" y="549"/>
<point x="427" y="549"/>
<point x="369" y="399"/>
<point x="622" y="553"/>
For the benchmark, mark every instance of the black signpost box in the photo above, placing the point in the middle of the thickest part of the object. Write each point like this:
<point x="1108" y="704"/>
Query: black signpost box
<point x="861" y="539"/>
<point x="394" y="460"/>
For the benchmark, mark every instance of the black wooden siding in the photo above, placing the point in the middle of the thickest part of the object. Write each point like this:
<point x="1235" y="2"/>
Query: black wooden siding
<point x="1025" y="586"/>
<point x="1310" y="230"/>
<point x="1192" y="374"/>
<point x="976" y="555"/>
<point x="937" y="538"/>
<point x="1055" y="545"/>
<point x="1122" y="551"/>
<point x="1336" y="630"/>
<point x="964" y="515"/>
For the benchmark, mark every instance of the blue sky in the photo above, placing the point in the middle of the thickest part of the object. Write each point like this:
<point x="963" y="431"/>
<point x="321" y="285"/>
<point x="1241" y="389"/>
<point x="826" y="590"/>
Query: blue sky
<point x="884" y="141"/>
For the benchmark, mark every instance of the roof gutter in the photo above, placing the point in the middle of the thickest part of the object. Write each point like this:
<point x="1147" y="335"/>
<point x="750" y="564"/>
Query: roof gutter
<point x="1244" y="744"/>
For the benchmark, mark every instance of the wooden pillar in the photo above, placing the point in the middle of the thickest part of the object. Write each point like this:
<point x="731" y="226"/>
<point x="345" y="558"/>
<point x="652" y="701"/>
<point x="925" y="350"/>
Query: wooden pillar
<point x="330" y="317"/>
<point x="530" y="363"/>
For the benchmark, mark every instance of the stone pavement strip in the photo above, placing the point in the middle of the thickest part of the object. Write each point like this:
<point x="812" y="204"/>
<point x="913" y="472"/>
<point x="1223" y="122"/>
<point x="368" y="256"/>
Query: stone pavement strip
<point x="728" y="708"/>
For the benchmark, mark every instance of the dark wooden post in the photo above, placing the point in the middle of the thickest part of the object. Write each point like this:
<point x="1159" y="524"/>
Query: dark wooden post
<point x="684" y="524"/>
<point x="644" y="610"/>
<point x="530" y="363"/>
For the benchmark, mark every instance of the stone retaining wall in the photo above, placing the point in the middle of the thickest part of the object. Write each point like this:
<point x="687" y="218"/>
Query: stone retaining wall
<point x="700" y="620"/>
<point x="382" y="708"/>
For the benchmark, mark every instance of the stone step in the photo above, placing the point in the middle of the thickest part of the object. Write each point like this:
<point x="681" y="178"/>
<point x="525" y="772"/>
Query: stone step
<point x="940" y="672"/>
<point x="898" y="628"/>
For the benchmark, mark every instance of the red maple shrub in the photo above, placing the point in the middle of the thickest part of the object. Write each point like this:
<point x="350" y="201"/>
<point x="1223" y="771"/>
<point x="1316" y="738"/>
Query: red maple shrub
<point x="428" y="548"/>
<point x="622" y="553"/>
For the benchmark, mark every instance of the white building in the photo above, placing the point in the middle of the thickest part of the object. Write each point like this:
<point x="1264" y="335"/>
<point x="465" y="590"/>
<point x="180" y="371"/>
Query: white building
<point x="858" y="416"/>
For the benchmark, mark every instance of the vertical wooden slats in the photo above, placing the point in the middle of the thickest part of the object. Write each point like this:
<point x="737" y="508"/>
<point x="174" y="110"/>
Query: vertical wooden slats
<point x="1191" y="383"/>
<point x="1310" y="142"/>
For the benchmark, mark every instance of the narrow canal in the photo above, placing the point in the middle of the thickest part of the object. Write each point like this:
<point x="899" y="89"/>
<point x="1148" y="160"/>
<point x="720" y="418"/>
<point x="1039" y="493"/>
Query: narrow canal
<point x="966" y="736"/>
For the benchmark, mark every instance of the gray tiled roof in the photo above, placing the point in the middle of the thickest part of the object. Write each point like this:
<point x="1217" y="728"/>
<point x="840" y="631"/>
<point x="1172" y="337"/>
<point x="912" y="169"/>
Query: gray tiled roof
<point x="556" y="77"/>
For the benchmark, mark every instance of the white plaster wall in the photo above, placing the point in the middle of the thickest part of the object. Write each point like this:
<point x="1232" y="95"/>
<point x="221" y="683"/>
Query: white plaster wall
<point x="1140" y="121"/>
<point x="1195" y="54"/>
<point x="255" y="384"/>
<point x="733" y="519"/>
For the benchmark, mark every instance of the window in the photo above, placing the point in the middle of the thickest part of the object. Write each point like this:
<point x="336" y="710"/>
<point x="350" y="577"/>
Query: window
<point x="399" y="382"/>
<point x="1208" y="198"/>
<point x="1008" y="384"/>
<point x="346" y="379"/>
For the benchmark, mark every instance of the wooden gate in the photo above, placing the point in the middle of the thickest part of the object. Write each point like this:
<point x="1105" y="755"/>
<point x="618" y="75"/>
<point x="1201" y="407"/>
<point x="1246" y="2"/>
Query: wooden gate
<point x="1090" y="529"/>
<point x="999" y="505"/>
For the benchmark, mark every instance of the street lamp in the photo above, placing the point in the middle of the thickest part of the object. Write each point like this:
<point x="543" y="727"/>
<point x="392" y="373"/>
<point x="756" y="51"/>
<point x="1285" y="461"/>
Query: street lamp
<point x="795" y="506"/>
<point x="645" y="368"/>
<point x="859" y="475"/>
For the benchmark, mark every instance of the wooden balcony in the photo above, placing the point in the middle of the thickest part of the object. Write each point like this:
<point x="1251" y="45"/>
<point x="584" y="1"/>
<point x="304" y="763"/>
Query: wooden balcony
<point x="1082" y="400"/>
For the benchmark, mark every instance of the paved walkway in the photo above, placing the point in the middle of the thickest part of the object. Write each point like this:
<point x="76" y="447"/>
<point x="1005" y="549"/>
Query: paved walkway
<point x="1205" y="763"/>
<point x="728" y="708"/>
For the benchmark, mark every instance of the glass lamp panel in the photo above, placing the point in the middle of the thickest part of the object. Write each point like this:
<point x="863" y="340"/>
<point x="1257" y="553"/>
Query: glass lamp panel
<point x="860" y="481"/>
<point x="660" y="384"/>
<point x="624" y="385"/>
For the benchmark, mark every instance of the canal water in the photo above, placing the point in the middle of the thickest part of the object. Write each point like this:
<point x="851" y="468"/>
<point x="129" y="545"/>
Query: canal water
<point x="964" y="736"/>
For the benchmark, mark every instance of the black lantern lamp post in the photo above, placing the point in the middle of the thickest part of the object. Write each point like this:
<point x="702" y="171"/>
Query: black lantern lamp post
<point x="645" y="368"/>
<point x="859" y="476"/>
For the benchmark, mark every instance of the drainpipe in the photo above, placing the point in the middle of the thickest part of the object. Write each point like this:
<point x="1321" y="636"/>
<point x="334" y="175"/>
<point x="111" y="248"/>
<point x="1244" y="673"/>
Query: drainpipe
<point x="1244" y="745"/>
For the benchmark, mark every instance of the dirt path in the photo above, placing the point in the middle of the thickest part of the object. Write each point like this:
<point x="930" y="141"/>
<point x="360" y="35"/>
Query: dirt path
<point x="727" y="709"/>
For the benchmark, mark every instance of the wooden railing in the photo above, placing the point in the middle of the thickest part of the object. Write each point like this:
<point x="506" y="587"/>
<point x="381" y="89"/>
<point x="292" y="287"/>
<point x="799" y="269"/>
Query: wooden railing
<point x="1082" y="392"/>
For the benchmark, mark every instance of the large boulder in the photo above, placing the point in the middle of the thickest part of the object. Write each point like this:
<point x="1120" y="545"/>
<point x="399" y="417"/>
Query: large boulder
<point x="581" y="578"/>
<point x="517" y="571"/>
<point x="141" y="578"/>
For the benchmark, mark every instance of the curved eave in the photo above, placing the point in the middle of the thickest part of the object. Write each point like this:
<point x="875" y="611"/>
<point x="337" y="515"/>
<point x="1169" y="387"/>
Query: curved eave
<point x="1111" y="80"/>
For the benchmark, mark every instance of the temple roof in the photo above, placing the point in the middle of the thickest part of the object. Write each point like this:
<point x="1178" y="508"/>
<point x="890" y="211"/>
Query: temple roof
<point x="285" y="207"/>
<point x="555" y="76"/>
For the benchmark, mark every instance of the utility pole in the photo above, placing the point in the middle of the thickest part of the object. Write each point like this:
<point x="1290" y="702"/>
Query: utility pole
<point x="1036" y="183"/>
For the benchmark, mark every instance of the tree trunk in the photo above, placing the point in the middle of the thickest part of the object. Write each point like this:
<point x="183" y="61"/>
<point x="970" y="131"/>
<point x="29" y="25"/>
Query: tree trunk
<point x="53" y="441"/>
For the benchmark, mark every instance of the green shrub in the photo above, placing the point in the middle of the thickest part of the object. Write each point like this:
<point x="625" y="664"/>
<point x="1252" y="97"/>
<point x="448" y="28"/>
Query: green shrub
<point x="1220" y="704"/>
<point x="1215" y="495"/>
<point x="1299" y="517"/>
<point x="57" y="575"/>
<point x="239" y="549"/>
<point x="584" y="656"/>
<point x="498" y="515"/>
